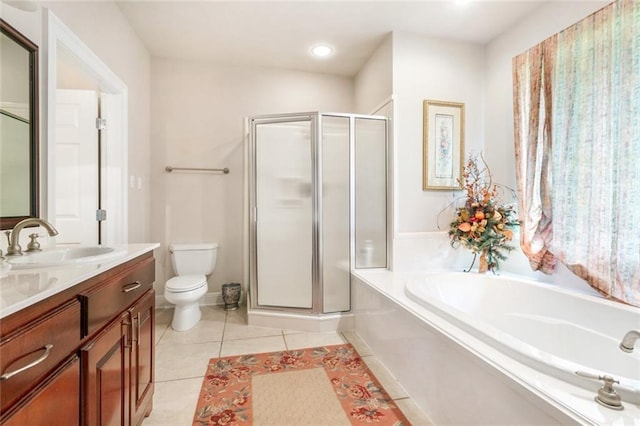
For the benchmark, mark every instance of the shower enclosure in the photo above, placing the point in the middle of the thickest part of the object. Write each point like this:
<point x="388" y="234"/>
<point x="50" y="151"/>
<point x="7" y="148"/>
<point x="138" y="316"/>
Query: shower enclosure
<point x="318" y="208"/>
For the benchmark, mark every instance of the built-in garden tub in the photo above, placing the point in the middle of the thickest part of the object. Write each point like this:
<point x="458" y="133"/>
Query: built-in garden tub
<point x="481" y="348"/>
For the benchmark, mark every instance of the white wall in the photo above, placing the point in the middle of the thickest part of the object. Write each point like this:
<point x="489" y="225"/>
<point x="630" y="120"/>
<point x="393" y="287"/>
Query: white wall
<point x="198" y="112"/>
<point x="480" y="76"/>
<point x="434" y="69"/>
<point x="374" y="82"/>
<point x="103" y="28"/>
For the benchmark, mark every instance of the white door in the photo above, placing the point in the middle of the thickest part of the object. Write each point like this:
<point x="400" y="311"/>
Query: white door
<point x="76" y="167"/>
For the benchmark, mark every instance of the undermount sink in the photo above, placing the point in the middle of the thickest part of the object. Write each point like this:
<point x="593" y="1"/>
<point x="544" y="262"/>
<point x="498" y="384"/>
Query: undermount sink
<point x="64" y="256"/>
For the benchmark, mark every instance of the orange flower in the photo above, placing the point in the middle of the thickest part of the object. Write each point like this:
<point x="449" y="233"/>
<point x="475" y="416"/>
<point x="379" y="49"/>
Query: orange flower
<point x="479" y="214"/>
<point x="465" y="227"/>
<point x="507" y="233"/>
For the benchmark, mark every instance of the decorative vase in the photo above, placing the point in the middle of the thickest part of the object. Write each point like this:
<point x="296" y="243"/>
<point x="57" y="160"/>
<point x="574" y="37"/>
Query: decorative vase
<point x="231" y="296"/>
<point x="483" y="266"/>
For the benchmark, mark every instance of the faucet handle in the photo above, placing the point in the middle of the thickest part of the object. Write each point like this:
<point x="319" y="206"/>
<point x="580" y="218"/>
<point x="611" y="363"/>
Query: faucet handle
<point x="8" y="235"/>
<point x="33" y="245"/>
<point x="607" y="395"/>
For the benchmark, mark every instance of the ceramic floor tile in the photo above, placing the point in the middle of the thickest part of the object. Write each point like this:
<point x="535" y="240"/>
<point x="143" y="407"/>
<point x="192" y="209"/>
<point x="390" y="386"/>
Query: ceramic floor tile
<point x="252" y="346"/>
<point x="286" y="332"/>
<point x="235" y="330"/>
<point x="163" y="316"/>
<point x="413" y="413"/>
<point x="213" y="313"/>
<point x="312" y="340"/>
<point x="181" y="361"/>
<point x="388" y="382"/>
<point x="208" y="329"/>
<point x="174" y="402"/>
<point x="159" y="331"/>
<point x="357" y="342"/>
<point x="238" y="316"/>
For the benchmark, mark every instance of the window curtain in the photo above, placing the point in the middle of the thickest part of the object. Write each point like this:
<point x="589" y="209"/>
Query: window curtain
<point x="590" y="159"/>
<point x="532" y="115"/>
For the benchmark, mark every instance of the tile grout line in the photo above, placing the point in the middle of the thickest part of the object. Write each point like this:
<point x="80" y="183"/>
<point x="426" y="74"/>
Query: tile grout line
<point x="177" y="379"/>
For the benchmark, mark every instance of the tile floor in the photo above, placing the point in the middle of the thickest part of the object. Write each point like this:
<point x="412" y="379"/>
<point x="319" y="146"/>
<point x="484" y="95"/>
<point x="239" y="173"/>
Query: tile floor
<point x="182" y="357"/>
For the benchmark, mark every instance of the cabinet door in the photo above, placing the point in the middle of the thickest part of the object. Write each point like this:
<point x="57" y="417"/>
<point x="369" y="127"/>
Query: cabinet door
<point x="142" y="356"/>
<point x="105" y="365"/>
<point x="55" y="401"/>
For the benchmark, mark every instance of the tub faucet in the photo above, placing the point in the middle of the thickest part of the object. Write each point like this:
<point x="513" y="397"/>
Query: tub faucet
<point x="14" y="248"/>
<point x="629" y="340"/>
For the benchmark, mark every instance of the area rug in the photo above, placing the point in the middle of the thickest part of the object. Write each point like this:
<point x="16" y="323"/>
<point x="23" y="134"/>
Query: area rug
<point x="328" y="385"/>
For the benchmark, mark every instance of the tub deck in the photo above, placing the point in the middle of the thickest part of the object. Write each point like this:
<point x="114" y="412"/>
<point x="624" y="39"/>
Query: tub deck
<point x="387" y="318"/>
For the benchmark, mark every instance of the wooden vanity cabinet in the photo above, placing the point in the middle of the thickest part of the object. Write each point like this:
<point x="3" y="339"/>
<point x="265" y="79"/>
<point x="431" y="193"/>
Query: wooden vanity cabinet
<point x="55" y="401"/>
<point x="118" y="368"/>
<point x="105" y="378"/>
<point x="85" y="355"/>
<point x="142" y="318"/>
<point x="31" y="352"/>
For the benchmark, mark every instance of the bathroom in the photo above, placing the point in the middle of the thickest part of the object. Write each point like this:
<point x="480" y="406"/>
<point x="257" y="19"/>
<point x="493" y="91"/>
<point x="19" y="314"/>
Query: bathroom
<point x="190" y="113"/>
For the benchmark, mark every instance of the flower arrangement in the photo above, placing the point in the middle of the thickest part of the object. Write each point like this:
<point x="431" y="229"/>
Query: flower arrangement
<point x="482" y="225"/>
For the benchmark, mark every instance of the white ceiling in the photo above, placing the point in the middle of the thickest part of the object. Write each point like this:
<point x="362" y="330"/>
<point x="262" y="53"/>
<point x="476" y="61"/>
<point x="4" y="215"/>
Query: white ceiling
<point x="280" y="33"/>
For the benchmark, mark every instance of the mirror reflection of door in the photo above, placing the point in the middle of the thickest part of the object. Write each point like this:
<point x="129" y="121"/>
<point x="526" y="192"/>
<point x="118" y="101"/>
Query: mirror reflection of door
<point x="77" y="166"/>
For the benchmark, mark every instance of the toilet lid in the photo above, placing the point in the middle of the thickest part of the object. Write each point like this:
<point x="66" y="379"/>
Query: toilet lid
<point x="186" y="283"/>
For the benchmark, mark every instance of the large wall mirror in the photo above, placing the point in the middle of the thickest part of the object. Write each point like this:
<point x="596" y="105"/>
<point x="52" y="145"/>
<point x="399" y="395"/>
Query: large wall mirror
<point x="19" y="186"/>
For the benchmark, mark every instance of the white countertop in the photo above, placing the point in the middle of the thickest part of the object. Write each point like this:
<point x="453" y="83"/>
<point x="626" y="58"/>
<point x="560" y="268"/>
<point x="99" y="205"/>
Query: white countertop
<point x="22" y="288"/>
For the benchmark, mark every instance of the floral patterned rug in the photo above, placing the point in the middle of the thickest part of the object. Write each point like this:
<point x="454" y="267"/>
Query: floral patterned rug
<point x="226" y="396"/>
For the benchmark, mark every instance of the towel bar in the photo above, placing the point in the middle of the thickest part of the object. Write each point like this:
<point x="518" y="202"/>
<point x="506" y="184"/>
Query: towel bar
<point x="169" y="169"/>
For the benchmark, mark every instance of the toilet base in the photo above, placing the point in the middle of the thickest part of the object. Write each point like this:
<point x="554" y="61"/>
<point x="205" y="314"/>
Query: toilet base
<point x="187" y="311"/>
<point x="186" y="317"/>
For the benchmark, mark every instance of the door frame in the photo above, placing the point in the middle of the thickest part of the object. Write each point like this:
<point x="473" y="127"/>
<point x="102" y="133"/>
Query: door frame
<point x="113" y="151"/>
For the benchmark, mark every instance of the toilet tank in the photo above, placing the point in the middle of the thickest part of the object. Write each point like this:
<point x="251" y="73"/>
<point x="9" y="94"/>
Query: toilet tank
<point x="193" y="259"/>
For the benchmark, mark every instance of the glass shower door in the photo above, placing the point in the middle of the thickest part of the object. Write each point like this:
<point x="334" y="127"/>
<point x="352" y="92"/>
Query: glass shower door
<point x="284" y="213"/>
<point x="370" y="193"/>
<point x="335" y="228"/>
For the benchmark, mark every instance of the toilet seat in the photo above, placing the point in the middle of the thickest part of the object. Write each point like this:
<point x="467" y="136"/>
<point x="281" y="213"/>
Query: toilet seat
<point x="183" y="283"/>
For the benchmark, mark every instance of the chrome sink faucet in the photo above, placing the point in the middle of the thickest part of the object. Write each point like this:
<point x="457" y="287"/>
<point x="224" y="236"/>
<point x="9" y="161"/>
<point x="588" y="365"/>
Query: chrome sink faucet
<point x="629" y="340"/>
<point x="14" y="248"/>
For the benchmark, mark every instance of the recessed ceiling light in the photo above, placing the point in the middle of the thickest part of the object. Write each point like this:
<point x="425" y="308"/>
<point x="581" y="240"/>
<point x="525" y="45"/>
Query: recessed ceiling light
<point x="321" y="50"/>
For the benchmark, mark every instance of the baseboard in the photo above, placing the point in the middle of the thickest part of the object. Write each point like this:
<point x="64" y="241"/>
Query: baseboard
<point x="301" y="322"/>
<point x="210" y="299"/>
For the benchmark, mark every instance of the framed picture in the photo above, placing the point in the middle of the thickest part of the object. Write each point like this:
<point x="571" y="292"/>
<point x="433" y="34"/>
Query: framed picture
<point x="443" y="145"/>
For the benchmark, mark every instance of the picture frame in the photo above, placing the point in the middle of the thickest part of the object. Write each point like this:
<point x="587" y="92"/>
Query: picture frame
<point x="443" y="145"/>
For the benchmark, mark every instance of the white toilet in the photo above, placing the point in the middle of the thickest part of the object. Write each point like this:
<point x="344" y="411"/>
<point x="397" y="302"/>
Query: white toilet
<point x="192" y="263"/>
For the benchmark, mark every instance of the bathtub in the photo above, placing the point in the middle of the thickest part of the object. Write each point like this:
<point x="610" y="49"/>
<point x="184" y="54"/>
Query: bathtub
<point x="481" y="349"/>
<point x="555" y="331"/>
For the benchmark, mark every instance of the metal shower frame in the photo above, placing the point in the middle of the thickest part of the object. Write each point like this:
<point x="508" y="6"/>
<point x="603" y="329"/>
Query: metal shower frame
<point x="315" y="119"/>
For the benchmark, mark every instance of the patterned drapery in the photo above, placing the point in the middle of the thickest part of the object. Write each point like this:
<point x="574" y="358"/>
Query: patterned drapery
<point x="532" y="108"/>
<point x="593" y="152"/>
